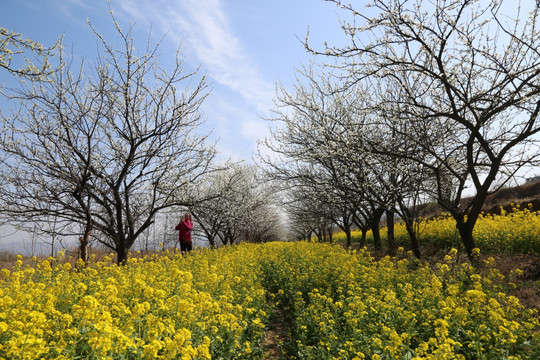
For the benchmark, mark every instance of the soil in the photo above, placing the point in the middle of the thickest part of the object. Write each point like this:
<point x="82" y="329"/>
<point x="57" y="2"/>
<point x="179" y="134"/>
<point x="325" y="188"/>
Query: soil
<point x="278" y="332"/>
<point x="527" y="288"/>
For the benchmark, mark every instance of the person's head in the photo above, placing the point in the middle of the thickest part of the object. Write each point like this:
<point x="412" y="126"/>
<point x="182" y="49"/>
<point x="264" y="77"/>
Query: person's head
<point x="187" y="216"/>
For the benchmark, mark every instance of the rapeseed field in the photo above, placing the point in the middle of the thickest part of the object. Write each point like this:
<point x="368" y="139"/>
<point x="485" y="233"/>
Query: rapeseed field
<point x="516" y="232"/>
<point x="218" y="304"/>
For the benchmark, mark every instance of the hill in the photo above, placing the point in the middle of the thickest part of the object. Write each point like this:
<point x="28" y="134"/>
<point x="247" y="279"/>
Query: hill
<point x="527" y="194"/>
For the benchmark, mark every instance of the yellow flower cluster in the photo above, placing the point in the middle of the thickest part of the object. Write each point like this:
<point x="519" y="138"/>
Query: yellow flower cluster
<point x="344" y="305"/>
<point x="514" y="232"/>
<point x="215" y="304"/>
<point x="206" y="305"/>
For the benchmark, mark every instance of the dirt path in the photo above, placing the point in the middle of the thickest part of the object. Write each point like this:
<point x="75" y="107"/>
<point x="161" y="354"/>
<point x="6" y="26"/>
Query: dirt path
<point x="276" y="335"/>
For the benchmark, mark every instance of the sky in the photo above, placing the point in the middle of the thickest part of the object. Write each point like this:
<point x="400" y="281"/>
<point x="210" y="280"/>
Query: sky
<point x="244" y="47"/>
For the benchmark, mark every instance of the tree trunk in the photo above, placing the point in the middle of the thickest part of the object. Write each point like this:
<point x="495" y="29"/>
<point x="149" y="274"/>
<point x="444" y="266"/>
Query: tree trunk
<point x="415" y="245"/>
<point x="409" y="220"/>
<point x="465" y="229"/>
<point x="346" y="228"/>
<point x="349" y="238"/>
<point x="83" y="249"/>
<point x="375" y="228"/>
<point x="122" y="255"/>
<point x="376" y="235"/>
<point x="330" y="234"/>
<point x="364" y="230"/>
<point x="319" y="235"/>
<point x="390" y="232"/>
<point x="83" y="242"/>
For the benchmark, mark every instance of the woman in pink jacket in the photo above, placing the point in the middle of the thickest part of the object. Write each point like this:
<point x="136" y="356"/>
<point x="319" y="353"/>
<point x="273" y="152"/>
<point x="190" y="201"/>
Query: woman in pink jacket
<point x="184" y="233"/>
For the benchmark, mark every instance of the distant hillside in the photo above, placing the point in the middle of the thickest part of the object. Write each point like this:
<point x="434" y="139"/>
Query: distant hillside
<point x="528" y="193"/>
<point x="522" y="195"/>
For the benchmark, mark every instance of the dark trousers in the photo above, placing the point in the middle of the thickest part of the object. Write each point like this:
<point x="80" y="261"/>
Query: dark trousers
<point x="186" y="247"/>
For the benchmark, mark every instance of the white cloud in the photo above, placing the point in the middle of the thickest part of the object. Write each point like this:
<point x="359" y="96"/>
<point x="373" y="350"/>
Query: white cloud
<point x="240" y="93"/>
<point x="204" y="28"/>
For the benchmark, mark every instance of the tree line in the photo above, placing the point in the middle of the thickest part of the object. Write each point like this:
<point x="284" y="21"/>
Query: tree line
<point x="101" y="152"/>
<point x="427" y="101"/>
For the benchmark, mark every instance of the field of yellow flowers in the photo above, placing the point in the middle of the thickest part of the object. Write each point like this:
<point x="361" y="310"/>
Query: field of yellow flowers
<point x="217" y="304"/>
<point x="210" y="305"/>
<point x="517" y="232"/>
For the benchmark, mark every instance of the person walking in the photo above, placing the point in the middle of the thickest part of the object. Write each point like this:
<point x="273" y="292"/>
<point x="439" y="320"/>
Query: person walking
<point x="184" y="233"/>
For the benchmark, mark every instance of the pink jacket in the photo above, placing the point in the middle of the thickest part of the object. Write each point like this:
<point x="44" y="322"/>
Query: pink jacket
<point x="184" y="231"/>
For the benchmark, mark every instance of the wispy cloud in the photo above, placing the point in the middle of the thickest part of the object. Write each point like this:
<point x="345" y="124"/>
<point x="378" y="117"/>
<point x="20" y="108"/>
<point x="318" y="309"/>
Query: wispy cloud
<point x="204" y="28"/>
<point x="240" y="93"/>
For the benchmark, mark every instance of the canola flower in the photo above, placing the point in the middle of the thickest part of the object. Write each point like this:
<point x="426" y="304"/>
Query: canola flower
<point x="204" y="306"/>
<point x="345" y="305"/>
<point x="216" y="304"/>
<point x="516" y="232"/>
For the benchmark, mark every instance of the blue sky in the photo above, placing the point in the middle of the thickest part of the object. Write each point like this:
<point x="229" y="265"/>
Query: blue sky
<point x="244" y="47"/>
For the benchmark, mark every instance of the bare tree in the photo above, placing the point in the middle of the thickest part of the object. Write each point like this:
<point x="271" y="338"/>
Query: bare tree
<point x="107" y="147"/>
<point x="468" y="73"/>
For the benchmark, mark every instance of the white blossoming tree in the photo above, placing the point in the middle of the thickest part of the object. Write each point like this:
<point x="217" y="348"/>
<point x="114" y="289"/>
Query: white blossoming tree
<point x="105" y="148"/>
<point x="325" y="138"/>
<point x="239" y="206"/>
<point x="16" y="52"/>
<point x="467" y="73"/>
